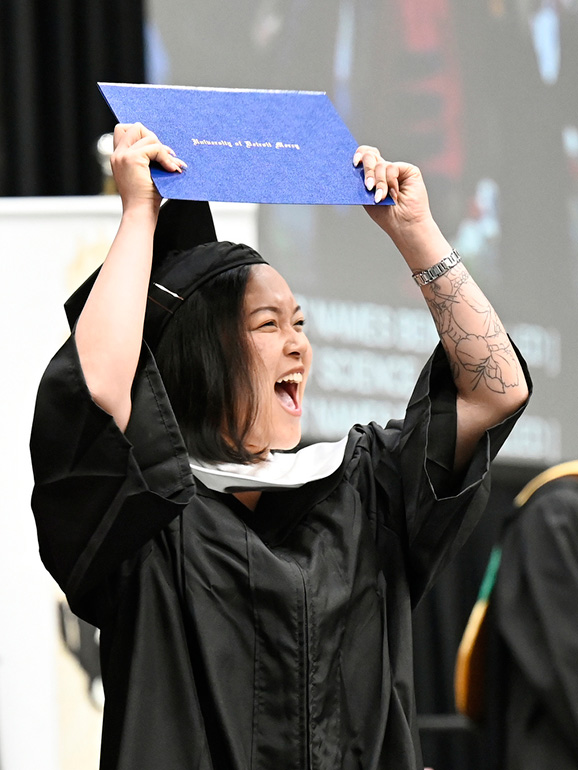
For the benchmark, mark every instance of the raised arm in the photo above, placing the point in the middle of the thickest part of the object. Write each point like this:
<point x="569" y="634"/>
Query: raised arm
<point x="488" y="376"/>
<point x="109" y="329"/>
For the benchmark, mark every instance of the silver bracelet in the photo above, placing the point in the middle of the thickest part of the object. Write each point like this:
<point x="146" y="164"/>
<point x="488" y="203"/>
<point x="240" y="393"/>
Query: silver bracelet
<point x="423" y="277"/>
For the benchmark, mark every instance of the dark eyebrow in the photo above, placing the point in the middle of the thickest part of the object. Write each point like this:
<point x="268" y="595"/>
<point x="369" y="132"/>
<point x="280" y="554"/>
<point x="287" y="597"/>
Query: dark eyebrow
<point x="273" y="309"/>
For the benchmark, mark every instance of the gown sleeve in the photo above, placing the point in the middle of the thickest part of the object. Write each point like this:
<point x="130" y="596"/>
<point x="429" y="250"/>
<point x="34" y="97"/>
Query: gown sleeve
<point x="100" y="495"/>
<point x="535" y="606"/>
<point x="413" y="493"/>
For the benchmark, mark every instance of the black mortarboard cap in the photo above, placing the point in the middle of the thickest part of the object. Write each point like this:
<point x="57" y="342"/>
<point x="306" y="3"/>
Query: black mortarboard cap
<point x="186" y="254"/>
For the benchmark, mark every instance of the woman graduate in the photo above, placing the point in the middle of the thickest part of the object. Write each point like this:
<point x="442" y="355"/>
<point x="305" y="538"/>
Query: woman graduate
<point x="254" y="607"/>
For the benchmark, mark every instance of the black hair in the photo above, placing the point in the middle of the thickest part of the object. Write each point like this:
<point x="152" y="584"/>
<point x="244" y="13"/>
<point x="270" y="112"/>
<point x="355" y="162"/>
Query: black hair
<point x="207" y="365"/>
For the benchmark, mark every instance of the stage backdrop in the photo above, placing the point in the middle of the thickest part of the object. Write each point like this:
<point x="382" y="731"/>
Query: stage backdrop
<point x="481" y="95"/>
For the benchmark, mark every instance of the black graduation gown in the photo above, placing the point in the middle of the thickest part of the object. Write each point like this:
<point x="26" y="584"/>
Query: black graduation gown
<point x="533" y="711"/>
<point x="233" y="640"/>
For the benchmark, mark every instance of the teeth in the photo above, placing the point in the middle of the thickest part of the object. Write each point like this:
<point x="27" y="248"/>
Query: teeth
<point x="296" y="377"/>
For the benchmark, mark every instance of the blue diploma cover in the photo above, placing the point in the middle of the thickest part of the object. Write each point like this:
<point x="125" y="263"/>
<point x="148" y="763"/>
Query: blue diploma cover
<point x="247" y="146"/>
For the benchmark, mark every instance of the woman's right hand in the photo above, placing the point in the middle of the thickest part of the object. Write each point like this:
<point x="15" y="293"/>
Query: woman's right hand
<point x="135" y="147"/>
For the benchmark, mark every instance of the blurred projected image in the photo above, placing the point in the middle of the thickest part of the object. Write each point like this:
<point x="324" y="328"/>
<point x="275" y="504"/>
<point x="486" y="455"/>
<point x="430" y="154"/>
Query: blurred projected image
<point x="478" y="235"/>
<point x="481" y="94"/>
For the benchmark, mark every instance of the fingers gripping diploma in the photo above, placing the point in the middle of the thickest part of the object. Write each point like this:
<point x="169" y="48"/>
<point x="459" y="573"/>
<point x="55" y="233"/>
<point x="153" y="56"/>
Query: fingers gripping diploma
<point x="375" y="171"/>
<point x="405" y="185"/>
<point x="135" y="148"/>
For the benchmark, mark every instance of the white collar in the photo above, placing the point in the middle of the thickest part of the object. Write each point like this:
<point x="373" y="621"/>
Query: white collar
<point x="277" y="471"/>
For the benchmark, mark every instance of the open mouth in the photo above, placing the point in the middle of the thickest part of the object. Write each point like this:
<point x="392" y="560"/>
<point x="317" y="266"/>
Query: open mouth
<point x="287" y="390"/>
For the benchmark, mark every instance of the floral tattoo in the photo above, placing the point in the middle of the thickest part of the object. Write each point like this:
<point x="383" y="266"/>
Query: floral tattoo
<point x="477" y="346"/>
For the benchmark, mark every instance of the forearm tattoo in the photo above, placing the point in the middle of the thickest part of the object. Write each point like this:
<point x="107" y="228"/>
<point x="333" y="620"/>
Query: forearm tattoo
<point x="477" y="346"/>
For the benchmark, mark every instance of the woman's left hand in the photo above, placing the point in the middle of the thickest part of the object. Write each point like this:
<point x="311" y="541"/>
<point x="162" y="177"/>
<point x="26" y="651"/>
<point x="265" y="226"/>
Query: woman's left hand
<point x="402" y="181"/>
<point x="409" y="223"/>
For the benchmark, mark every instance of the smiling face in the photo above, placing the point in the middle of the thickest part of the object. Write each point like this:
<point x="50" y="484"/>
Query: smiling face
<point x="283" y="358"/>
